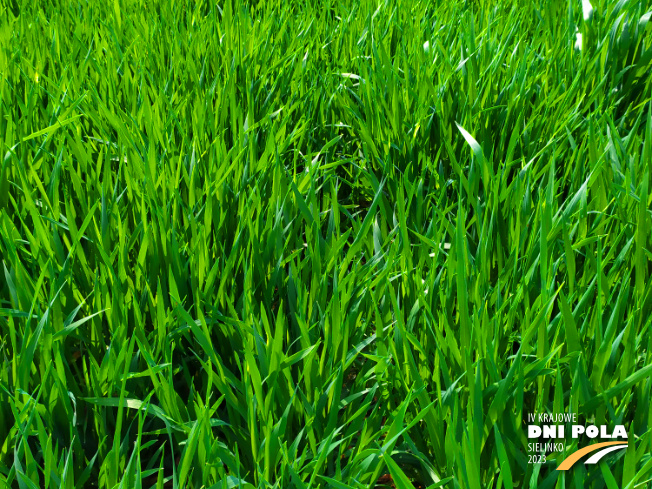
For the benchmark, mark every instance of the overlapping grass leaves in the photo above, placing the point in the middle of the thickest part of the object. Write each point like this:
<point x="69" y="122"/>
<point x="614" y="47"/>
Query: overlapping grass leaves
<point x="308" y="245"/>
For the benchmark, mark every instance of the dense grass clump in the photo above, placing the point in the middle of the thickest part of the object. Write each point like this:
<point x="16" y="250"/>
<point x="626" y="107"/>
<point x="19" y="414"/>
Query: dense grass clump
<point x="322" y="244"/>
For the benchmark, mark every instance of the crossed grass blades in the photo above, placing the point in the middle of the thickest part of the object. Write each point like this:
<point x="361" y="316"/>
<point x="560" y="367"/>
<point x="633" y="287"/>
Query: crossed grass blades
<point x="322" y="244"/>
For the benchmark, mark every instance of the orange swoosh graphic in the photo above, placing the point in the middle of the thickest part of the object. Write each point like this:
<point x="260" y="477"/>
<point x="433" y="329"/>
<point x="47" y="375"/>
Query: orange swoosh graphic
<point x="575" y="456"/>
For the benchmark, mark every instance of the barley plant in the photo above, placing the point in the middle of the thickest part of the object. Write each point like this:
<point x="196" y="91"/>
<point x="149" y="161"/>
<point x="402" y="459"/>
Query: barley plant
<point x="322" y="243"/>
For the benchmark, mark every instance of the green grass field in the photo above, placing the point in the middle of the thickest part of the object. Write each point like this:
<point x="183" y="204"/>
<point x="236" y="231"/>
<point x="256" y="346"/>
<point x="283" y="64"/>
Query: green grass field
<point x="323" y="244"/>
